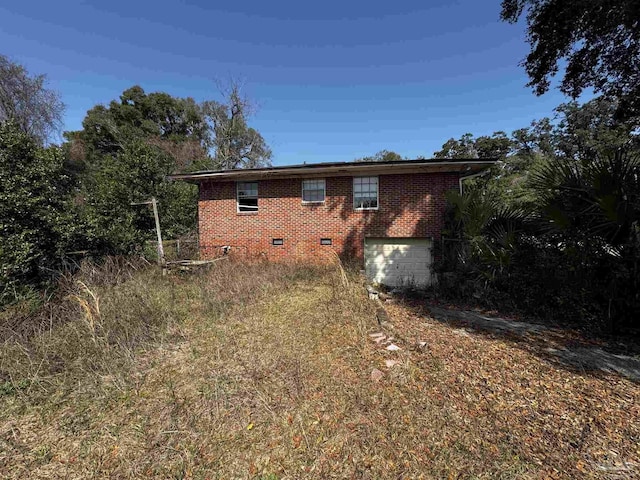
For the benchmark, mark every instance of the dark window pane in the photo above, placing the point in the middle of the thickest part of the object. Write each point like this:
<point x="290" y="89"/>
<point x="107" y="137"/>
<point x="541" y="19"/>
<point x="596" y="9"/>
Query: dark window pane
<point x="247" y="196"/>
<point x="313" y="190"/>
<point x="248" y="205"/>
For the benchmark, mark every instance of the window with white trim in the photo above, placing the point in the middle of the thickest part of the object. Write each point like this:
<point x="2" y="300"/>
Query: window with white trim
<point x="365" y="193"/>
<point x="247" y="196"/>
<point x="313" y="190"/>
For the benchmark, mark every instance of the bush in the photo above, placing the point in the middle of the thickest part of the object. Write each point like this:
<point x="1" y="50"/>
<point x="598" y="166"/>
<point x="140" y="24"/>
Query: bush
<point x="584" y="284"/>
<point x="35" y="223"/>
<point x="573" y="258"/>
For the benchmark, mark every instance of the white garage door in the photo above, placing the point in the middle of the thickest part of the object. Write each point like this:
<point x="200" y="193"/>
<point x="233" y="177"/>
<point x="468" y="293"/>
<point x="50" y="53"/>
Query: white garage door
<point x="398" y="261"/>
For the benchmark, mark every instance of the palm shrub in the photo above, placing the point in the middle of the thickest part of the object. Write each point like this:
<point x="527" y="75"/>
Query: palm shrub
<point x="590" y="208"/>
<point x="485" y="233"/>
<point x="573" y="257"/>
<point x="591" y="200"/>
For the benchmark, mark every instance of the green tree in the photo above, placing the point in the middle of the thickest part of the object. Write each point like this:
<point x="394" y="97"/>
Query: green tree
<point x="35" y="220"/>
<point x="505" y="180"/>
<point x="135" y="174"/>
<point x="381" y="156"/>
<point x="577" y="132"/>
<point x="464" y="147"/>
<point x="598" y="40"/>
<point x="498" y="146"/>
<point x="174" y="124"/>
<point x="536" y="139"/>
<point x="124" y="153"/>
<point x="25" y="101"/>
<point x="591" y="129"/>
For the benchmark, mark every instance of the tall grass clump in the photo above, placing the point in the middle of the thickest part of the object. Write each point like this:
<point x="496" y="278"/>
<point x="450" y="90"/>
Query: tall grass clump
<point x="93" y="324"/>
<point x="105" y="315"/>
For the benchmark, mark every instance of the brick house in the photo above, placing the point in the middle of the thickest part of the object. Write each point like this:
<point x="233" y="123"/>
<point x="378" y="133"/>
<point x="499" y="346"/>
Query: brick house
<point x="385" y="214"/>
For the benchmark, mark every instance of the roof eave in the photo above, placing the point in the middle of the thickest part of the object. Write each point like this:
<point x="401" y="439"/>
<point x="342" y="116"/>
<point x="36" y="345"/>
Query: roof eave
<point x="464" y="167"/>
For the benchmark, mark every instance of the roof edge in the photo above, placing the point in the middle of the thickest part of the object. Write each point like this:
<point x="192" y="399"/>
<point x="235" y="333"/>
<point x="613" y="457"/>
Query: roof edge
<point x="340" y="168"/>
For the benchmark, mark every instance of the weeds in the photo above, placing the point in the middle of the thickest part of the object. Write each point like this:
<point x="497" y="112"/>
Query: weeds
<point x="263" y="371"/>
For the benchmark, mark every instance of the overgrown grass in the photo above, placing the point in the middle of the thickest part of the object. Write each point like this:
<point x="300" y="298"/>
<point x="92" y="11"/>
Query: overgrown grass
<point x="263" y="371"/>
<point x="105" y="315"/>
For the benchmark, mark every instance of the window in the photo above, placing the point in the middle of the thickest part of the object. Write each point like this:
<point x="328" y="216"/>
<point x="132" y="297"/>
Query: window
<point x="247" y="196"/>
<point x="325" y="241"/>
<point x="365" y="193"/>
<point x="313" y="190"/>
<point x="277" y="241"/>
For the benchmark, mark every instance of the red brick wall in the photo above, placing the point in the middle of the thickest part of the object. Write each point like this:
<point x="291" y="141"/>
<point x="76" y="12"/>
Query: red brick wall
<point x="409" y="206"/>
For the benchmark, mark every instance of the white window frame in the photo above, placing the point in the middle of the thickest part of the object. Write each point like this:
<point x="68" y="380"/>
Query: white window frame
<point x="324" y="190"/>
<point x="251" y="208"/>
<point x="353" y="191"/>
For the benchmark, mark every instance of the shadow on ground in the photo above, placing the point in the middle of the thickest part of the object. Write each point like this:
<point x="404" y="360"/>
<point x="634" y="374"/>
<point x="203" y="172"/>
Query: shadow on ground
<point x="564" y="348"/>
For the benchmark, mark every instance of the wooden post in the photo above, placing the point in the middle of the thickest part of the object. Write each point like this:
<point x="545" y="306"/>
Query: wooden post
<point x="154" y="204"/>
<point x="161" y="260"/>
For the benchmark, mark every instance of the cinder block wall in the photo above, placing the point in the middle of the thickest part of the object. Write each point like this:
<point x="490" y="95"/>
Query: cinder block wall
<point x="410" y="205"/>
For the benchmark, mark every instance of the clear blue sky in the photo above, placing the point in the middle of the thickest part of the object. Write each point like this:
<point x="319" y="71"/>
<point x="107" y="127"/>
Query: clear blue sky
<point x="333" y="80"/>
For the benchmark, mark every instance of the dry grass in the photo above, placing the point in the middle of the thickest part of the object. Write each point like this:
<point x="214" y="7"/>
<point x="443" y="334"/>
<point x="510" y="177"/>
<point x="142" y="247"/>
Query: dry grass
<point x="264" y="372"/>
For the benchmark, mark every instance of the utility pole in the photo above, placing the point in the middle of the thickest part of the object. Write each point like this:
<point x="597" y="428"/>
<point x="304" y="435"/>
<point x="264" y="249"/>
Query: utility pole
<point x="154" y="203"/>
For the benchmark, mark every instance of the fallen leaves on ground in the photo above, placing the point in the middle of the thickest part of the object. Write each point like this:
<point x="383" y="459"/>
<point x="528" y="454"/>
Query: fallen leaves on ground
<point x="280" y="387"/>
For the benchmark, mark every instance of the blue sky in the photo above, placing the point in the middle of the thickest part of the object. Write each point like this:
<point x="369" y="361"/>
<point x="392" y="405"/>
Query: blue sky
<point x="332" y="80"/>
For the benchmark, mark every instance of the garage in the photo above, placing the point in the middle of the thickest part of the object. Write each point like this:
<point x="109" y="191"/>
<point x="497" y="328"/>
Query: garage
<point x="399" y="262"/>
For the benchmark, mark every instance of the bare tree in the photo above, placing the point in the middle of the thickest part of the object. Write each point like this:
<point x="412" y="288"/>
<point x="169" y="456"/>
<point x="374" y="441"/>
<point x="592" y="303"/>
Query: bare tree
<point x="234" y="143"/>
<point x="25" y="100"/>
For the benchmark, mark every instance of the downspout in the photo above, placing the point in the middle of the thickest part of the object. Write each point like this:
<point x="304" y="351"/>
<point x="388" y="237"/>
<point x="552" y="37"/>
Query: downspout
<point x="467" y="177"/>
